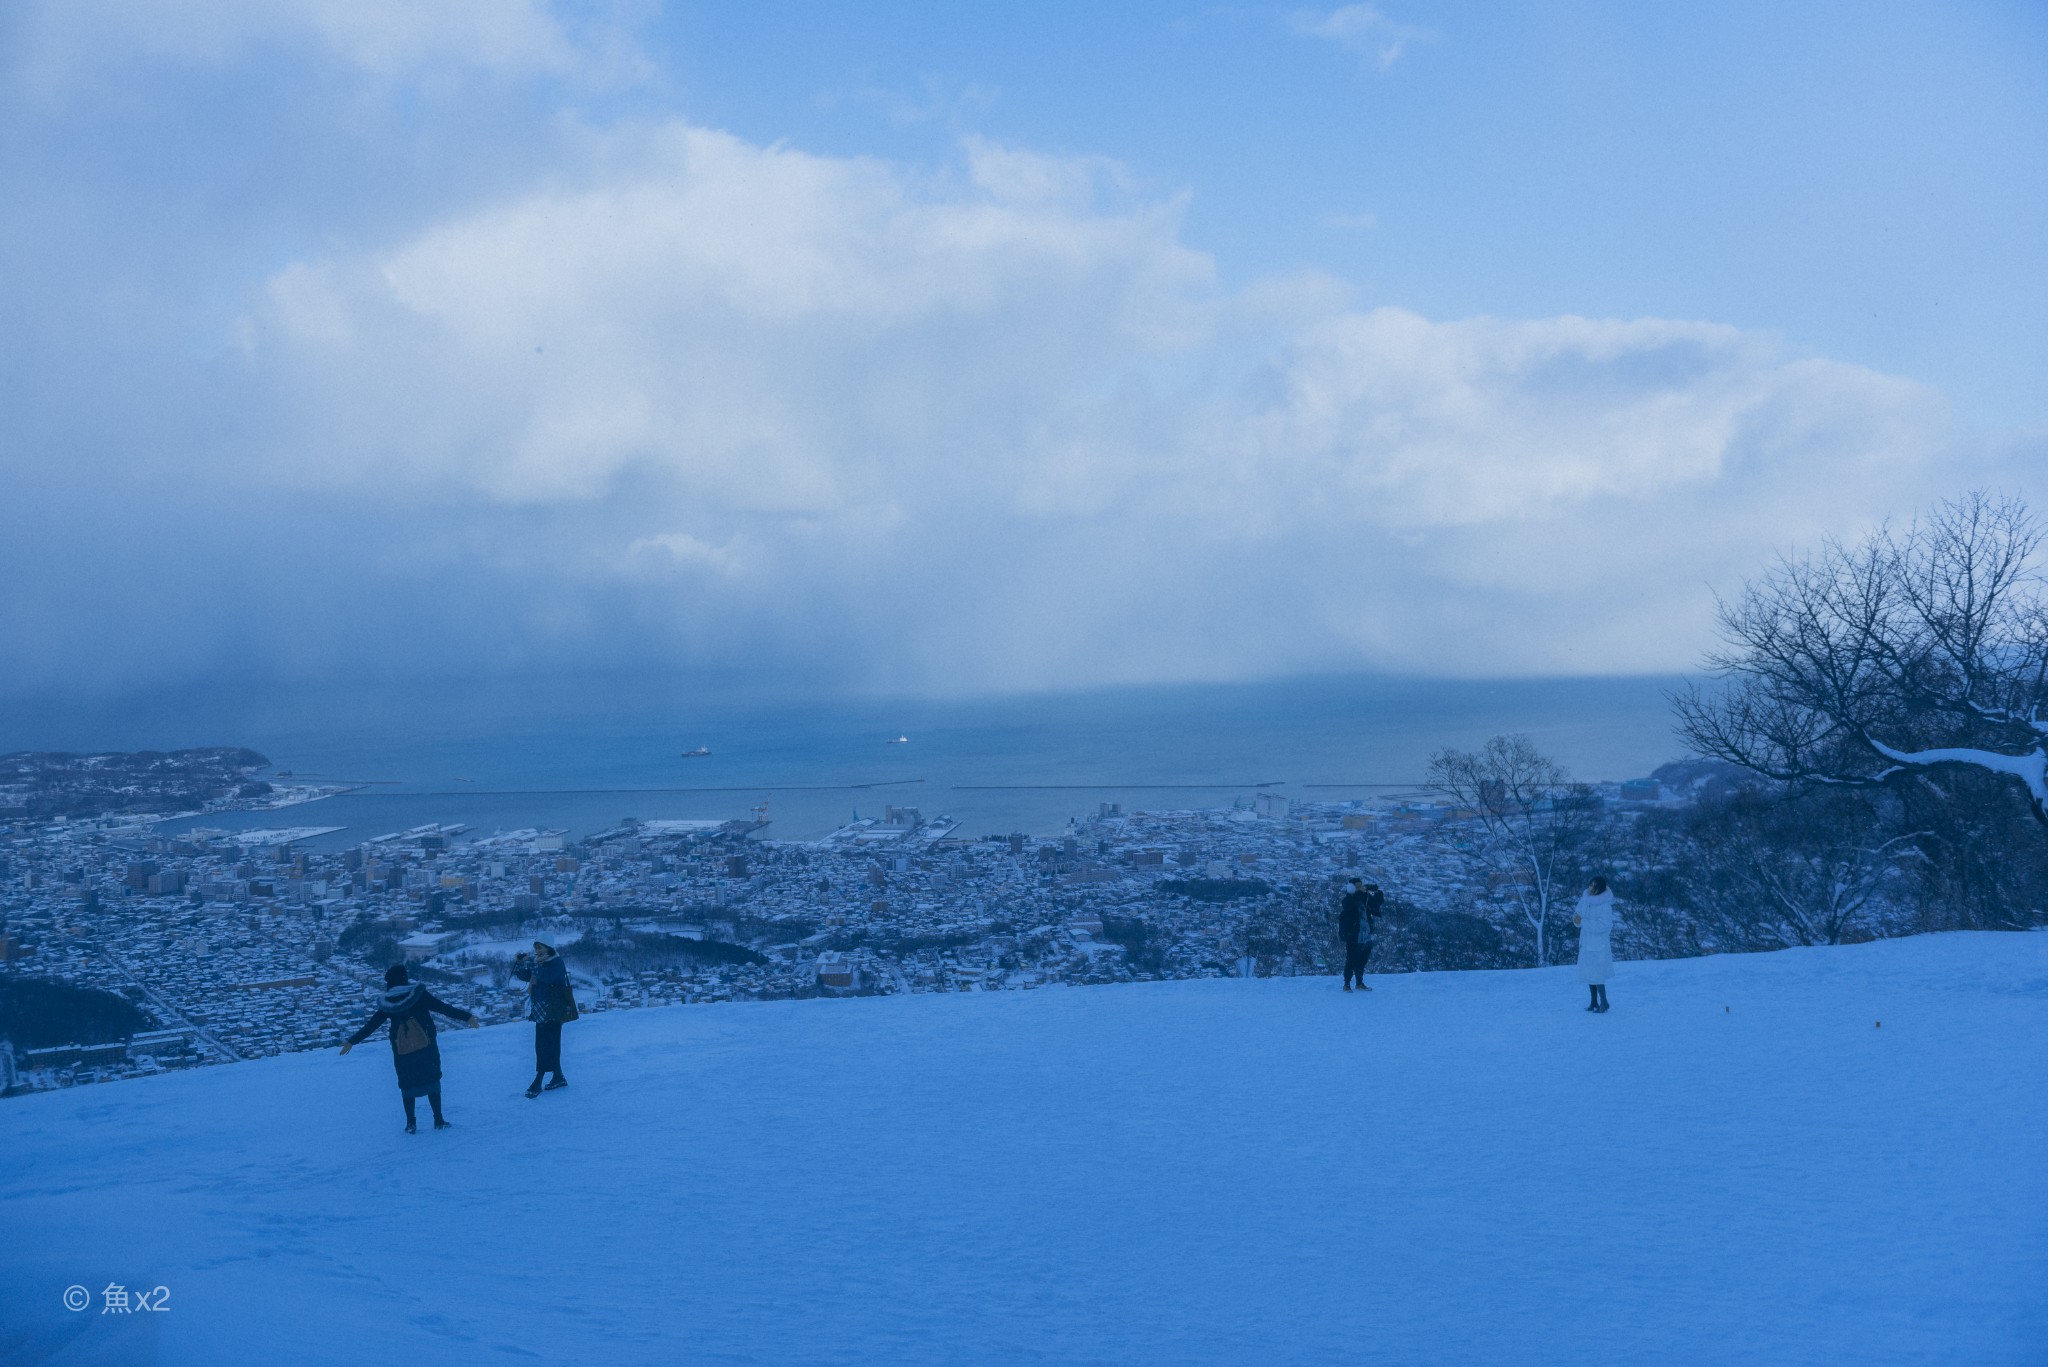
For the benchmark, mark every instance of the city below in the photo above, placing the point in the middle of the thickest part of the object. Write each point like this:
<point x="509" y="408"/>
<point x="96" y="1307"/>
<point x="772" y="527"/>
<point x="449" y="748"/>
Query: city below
<point x="146" y="951"/>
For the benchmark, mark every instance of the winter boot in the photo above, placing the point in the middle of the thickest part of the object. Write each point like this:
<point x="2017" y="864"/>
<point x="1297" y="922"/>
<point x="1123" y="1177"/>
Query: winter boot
<point x="411" y="1126"/>
<point x="534" y="1090"/>
<point x="556" y="1081"/>
<point x="441" y="1122"/>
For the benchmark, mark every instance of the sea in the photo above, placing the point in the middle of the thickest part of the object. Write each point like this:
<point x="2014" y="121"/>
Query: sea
<point x="578" y="755"/>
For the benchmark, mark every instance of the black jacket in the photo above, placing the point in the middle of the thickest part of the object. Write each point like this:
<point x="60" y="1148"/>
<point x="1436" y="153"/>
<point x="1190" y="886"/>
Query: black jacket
<point x="402" y="1007"/>
<point x="1357" y="913"/>
<point x="547" y="989"/>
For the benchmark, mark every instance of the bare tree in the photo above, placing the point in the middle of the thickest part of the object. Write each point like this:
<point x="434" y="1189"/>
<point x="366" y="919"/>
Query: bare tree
<point x="1531" y="823"/>
<point x="1766" y="870"/>
<point x="1979" y="867"/>
<point x="1898" y="656"/>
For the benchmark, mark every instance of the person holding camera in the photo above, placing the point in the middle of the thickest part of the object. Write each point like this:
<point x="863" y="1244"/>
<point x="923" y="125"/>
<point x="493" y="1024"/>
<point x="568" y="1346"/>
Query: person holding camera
<point x="1355" y="914"/>
<point x="550" y="1004"/>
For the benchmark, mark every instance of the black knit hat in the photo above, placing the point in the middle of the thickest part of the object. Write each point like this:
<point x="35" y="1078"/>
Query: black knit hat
<point x="394" y="976"/>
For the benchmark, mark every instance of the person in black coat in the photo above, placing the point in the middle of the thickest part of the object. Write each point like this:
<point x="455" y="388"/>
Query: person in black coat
<point x="1355" y="915"/>
<point x="549" y="1005"/>
<point x="415" y="1052"/>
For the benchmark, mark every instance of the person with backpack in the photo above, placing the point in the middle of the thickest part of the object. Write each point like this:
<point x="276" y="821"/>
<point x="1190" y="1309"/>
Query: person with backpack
<point x="550" y="1004"/>
<point x="1355" y="915"/>
<point x="408" y="1009"/>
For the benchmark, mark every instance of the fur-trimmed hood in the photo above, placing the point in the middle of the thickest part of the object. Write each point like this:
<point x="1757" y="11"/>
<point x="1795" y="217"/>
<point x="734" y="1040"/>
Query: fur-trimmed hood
<point x="398" y="1000"/>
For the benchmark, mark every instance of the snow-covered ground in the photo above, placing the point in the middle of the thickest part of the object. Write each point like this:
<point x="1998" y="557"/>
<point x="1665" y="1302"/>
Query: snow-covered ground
<point x="1737" y="1165"/>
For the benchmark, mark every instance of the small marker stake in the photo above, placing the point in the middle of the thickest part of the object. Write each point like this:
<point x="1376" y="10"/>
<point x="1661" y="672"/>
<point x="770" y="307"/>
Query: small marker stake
<point x="1879" y="1025"/>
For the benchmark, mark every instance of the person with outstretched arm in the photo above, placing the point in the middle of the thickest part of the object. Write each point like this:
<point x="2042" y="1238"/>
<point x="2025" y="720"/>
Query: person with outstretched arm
<point x="550" y="1004"/>
<point x="408" y="1009"/>
<point x="1355" y="915"/>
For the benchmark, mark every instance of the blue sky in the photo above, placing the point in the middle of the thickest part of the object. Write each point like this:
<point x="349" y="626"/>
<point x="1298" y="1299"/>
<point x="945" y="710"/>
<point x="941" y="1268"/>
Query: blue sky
<point x="960" y="348"/>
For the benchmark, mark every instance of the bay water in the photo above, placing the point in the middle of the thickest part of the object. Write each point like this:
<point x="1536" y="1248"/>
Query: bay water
<point x="580" y="754"/>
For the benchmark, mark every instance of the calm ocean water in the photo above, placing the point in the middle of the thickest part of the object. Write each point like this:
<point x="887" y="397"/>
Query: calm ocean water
<point x="582" y="754"/>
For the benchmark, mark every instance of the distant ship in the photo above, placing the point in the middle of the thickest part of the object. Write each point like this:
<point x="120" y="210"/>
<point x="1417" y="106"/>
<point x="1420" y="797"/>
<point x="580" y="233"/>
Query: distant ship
<point x="697" y="753"/>
<point x="900" y="740"/>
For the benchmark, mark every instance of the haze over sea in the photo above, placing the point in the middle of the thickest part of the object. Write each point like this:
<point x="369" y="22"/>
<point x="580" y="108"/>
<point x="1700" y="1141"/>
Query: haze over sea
<point x="582" y="753"/>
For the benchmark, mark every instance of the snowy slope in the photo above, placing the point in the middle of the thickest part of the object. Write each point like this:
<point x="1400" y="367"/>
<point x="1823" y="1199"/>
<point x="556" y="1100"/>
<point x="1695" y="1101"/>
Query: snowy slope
<point x="1454" y="1168"/>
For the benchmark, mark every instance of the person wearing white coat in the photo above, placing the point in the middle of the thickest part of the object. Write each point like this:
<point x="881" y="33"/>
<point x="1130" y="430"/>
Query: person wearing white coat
<point x="1595" y="920"/>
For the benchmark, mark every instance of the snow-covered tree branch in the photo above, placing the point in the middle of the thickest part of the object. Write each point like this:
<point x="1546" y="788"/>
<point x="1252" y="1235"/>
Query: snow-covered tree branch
<point x="1905" y="653"/>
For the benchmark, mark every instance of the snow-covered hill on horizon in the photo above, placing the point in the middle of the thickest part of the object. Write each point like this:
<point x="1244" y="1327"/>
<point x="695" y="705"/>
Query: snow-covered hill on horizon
<point x="1738" y="1165"/>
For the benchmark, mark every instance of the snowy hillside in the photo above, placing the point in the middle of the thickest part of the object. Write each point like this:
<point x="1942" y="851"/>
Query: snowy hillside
<point x="1738" y="1164"/>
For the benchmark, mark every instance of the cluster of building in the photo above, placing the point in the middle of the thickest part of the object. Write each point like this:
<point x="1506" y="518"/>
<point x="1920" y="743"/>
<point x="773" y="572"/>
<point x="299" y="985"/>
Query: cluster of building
<point x="45" y="786"/>
<point x="259" y="942"/>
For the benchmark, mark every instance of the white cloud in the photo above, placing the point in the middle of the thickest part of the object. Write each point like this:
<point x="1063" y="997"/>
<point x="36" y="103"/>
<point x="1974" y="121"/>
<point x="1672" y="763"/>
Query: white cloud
<point x="935" y="100"/>
<point x="1362" y="29"/>
<point x="654" y="394"/>
<point x="789" y="407"/>
<point x="67" y="41"/>
<point x="1012" y="175"/>
<point x="673" y="550"/>
<point x="725" y="312"/>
